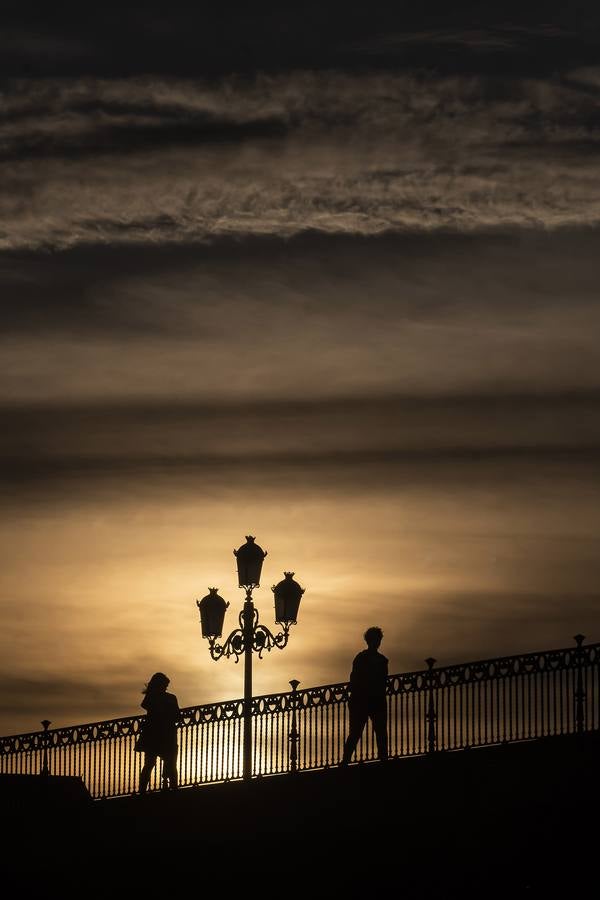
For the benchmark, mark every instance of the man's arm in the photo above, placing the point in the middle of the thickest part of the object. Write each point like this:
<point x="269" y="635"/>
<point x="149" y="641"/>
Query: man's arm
<point x="385" y="673"/>
<point x="354" y="674"/>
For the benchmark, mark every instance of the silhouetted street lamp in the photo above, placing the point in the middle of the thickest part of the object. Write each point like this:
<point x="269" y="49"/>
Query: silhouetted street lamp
<point x="251" y="636"/>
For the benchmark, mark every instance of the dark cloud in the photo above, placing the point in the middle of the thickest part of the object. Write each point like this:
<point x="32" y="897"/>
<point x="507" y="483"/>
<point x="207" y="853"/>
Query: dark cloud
<point x="118" y="134"/>
<point x="62" y="482"/>
<point x="182" y="38"/>
<point x="351" y="445"/>
<point x="244" y="322"/>
<point x="508" y="48"/>
<point x="172" y="289"/>
<point x="158" y="160"/>
<point x="411" y="425"/>
<point x="26" y="47"/>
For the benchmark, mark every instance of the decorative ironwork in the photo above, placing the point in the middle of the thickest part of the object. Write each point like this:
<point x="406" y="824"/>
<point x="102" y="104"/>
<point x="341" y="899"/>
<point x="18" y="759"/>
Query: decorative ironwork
<point x="261" y="638"/>
<point x="431" y="714"/>
<point x="580" y="693"/>
<point x="294" y="733"/>
<point x="537" y="695"/>
<point x="502" y="667"/>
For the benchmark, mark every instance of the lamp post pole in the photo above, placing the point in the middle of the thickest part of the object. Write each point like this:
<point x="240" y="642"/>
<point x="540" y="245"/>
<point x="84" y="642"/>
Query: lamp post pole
<point x="248" y="623"/>
<point x="251" y="636"/>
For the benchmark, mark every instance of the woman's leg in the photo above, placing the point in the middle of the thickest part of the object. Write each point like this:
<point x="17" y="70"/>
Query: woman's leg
<point x="170" y="770"/>
<point x="149" y="763"/>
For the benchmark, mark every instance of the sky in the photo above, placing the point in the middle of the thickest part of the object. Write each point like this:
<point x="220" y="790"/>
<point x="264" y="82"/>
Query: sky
<point x="322" y="276"/>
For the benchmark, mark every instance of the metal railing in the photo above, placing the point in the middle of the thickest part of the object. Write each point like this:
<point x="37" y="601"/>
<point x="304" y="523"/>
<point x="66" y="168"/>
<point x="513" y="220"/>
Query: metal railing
<point x="475" y="704"/>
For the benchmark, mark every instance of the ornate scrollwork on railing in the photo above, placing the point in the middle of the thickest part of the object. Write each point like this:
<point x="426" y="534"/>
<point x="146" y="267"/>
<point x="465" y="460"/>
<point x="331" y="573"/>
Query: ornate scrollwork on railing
<point x="492" y="669"/>
<point x="211" y="712"/>
<point x="511" y="666"/>
<point x="114" y="728"/>
<point x="75" y="734"/>
<point x="327" y="695"/>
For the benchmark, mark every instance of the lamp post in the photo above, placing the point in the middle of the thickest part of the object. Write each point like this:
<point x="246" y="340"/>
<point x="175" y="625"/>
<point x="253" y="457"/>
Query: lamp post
<point x="251" y="636"/>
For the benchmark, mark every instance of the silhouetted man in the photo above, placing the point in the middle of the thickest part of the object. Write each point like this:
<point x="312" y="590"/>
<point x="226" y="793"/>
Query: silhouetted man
<point x="368" y="681"/>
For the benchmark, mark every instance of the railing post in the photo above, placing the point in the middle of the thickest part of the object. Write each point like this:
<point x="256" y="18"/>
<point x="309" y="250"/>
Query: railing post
<point x="431" y="714"/>
<point x="580" y="694"/>
<point x="45" y="767"/>
<point x="294" y="735"/>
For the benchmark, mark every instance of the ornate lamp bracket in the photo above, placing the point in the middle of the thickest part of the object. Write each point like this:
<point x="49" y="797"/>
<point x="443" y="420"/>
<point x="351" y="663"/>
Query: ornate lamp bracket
<point x="261" y="639"/>
<point x="264" y="639"/>
<point x="234" y="644"/>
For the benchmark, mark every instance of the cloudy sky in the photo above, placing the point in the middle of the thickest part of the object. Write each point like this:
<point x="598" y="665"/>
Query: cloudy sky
<point x="323" y="277"/>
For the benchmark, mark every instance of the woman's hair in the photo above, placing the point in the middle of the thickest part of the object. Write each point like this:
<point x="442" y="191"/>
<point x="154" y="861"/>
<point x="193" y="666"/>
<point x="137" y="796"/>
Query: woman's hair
<point x="158" y="680"/>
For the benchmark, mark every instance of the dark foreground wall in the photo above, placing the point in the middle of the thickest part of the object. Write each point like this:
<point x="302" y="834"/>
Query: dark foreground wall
<point x="513" y="821"/>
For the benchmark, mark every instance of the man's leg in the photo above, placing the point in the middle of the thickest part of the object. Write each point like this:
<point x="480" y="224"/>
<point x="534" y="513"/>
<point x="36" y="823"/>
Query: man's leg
<point x="379" y="719"/>
<point x="358" y="718"/>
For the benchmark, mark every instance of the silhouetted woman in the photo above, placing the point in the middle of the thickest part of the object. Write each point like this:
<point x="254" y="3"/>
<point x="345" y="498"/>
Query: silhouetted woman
<point x="159" y="731"/>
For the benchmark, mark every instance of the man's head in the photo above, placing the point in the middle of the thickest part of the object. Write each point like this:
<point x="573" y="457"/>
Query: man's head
<point x="373" y="637"/>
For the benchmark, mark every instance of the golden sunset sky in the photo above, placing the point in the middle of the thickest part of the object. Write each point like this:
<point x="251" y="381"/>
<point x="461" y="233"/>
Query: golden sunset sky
<point x="339" y="294"/>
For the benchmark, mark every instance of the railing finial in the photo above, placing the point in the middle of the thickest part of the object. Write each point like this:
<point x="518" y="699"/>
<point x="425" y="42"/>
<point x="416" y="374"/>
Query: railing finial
<point x="46" y="723"/>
